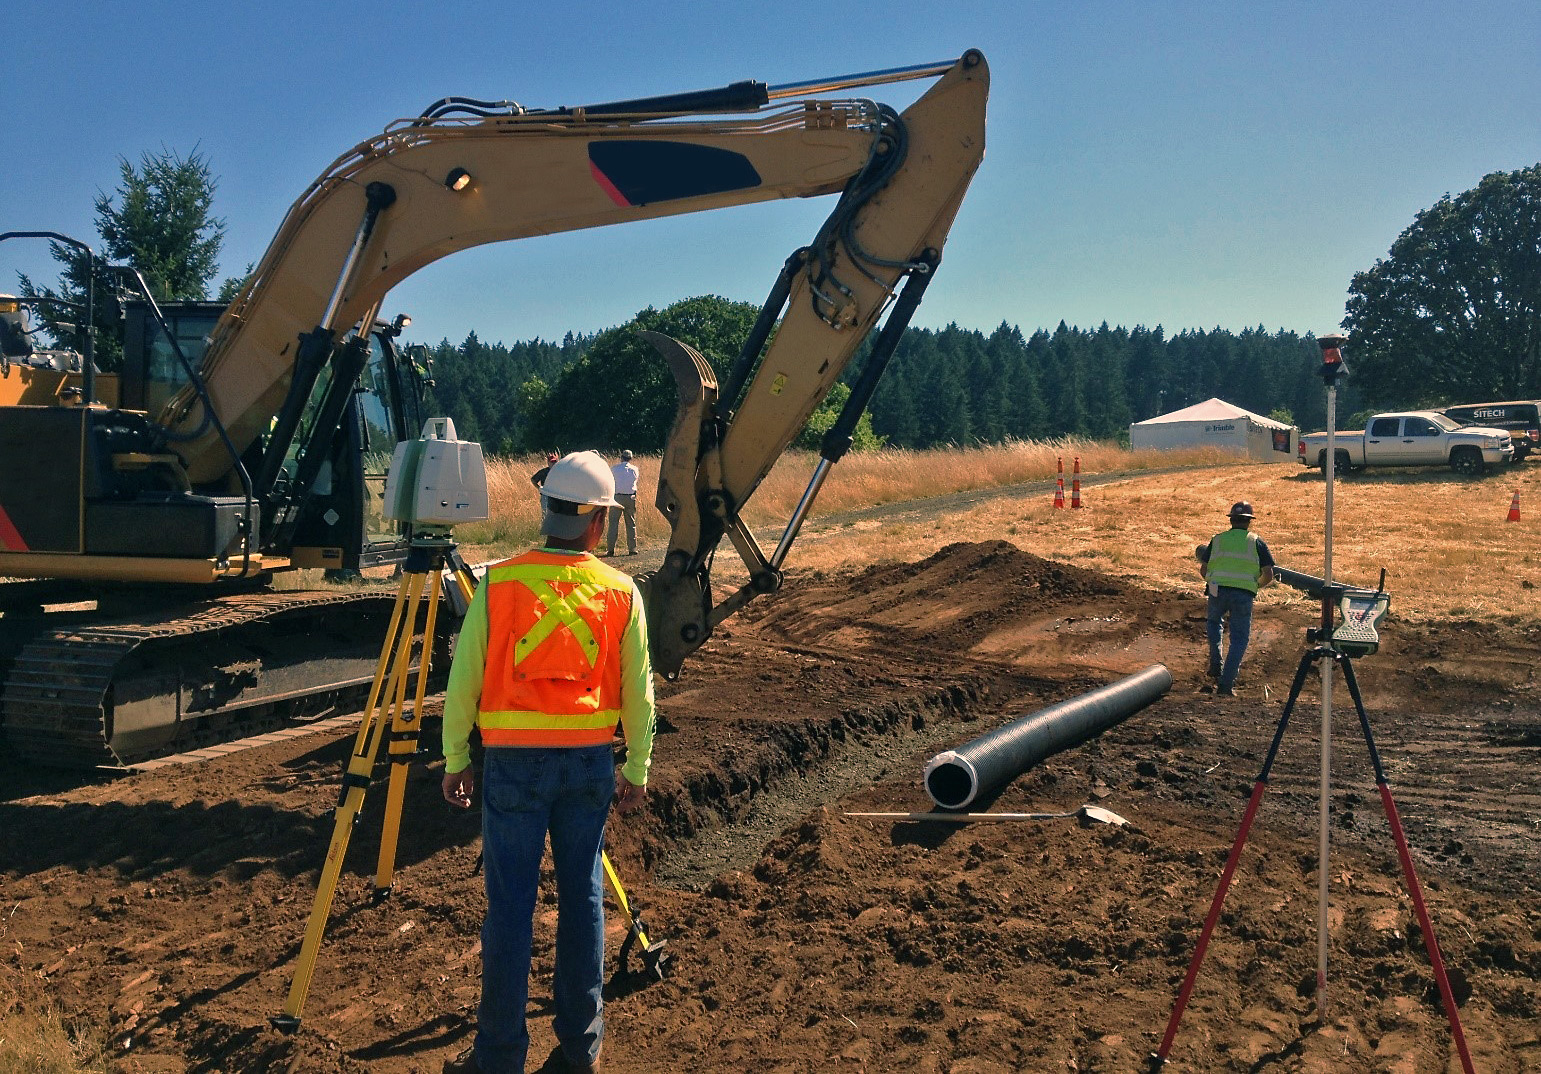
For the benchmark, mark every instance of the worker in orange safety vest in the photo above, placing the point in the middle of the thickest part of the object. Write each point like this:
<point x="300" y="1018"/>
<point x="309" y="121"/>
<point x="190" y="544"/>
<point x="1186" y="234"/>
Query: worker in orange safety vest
<point x="552" y="655"/>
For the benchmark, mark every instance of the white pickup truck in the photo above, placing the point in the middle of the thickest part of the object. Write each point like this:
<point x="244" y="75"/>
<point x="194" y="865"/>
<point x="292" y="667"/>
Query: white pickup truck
<point x="1411" y="438"/>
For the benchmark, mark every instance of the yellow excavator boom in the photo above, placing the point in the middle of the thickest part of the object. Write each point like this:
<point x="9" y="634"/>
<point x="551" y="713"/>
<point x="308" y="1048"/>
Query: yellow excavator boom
<point x="431" y="186"/>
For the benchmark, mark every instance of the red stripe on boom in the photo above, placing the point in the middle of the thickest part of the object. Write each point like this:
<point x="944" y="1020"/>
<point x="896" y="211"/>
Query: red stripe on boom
<point x="609" y="188"/>
<point x="10" y="536"/>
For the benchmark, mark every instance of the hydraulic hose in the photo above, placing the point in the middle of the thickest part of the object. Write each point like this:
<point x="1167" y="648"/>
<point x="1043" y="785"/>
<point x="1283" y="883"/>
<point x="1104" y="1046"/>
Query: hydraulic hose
<point x="954" y="778"/>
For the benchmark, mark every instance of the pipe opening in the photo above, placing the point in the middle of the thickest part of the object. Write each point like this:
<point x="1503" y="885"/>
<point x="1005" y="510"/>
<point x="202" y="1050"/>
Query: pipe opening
<point x="951" y="781"/>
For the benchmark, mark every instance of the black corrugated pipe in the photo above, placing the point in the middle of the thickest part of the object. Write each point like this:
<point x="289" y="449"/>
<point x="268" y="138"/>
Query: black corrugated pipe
<point x="954" y="778"/>
<point x="1309" y="584"/>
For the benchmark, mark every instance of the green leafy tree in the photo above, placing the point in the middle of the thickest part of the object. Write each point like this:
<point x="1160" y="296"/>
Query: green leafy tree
<point x="944" y="386"/>
<point x="530" y="399"/>
<point x="1454" y="310"/>
<point x="159" y="221"/>
<point x="619" y="394"/>
<point x="232" y="285"/>
<point x="823" y="419"/>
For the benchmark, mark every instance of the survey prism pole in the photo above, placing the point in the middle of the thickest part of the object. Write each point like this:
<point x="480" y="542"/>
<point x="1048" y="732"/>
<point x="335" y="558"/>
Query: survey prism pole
<point x="1332" y="369"/>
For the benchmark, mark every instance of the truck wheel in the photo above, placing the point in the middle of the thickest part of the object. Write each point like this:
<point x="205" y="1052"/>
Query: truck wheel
<point x="1467" y="461"/>
<point x="1340" y="462"/>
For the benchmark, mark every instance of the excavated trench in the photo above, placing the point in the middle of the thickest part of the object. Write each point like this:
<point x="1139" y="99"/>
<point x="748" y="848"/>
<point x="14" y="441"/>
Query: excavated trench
<point x="841" y="685"/>
<point x="731" y="819"/>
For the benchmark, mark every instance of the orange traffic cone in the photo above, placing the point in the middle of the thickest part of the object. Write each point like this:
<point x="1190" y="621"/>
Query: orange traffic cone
<point x="1075" y="485"/>
<point x="1059" y="485"/>
<point x="1514" y="507"/>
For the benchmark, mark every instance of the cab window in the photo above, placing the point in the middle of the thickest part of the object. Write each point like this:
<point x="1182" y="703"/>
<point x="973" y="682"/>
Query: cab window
<point x="1384" y="426"/>
<point x="375" y="396"/>
<point x="1419" y="427"/>
<point x="163" y="374"/>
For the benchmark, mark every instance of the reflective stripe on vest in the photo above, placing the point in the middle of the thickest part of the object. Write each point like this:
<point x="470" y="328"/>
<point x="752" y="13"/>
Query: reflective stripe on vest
<point x="1233" y="560"/>
<point x="553" y="672"/>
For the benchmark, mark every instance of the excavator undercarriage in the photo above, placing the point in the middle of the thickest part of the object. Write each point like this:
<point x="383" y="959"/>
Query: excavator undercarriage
<point x="86" y="691"/>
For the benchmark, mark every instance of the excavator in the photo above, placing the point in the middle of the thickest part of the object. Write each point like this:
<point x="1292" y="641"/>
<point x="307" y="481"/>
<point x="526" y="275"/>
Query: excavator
<point x="147" y="517"/>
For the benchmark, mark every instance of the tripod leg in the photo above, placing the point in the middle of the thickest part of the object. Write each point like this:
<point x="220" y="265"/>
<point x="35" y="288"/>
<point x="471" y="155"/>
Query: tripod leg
<point x="382" y="671"/>
<point x="1158" y="1058"/>
<point x="1430" y="943"/>
<point x="355" y="783"/>
<point x="461" y="574"/>
<point x="404" y="736"/>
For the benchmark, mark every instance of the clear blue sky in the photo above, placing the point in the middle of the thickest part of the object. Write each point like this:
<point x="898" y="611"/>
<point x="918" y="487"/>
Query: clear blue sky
<point x="1148" y="162"/>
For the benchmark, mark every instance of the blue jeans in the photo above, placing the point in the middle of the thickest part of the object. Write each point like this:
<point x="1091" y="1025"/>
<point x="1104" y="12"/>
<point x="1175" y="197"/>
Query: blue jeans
<point x="525" y="793"/>
<point x="1234" y="605"/>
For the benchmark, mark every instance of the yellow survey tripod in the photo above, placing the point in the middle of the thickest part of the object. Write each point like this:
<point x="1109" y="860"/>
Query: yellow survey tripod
<point x="387" y="718"/>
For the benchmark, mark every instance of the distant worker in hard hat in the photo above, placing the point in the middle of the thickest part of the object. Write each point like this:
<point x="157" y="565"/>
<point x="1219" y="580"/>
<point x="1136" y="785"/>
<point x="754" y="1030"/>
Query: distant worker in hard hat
<point x="1235" y="564"/>
<point x="538" y="478"/>
<point x="552" y="654"/>
<point x="626" y="477"/>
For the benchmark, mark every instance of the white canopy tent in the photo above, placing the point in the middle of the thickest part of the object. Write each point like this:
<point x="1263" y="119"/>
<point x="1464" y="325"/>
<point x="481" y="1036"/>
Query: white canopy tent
<point x="1216" y="423"/>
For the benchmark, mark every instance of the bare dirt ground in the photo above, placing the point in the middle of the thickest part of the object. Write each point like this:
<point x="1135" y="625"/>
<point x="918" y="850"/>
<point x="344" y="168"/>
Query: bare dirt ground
<point x="168" y="908"/>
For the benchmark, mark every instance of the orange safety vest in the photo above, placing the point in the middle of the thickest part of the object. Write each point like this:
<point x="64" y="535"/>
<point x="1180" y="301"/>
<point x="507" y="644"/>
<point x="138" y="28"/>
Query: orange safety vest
<point x="553" y="672"/>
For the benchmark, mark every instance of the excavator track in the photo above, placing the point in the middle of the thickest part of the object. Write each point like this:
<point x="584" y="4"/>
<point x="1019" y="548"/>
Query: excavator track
<point x="116" y="693"/>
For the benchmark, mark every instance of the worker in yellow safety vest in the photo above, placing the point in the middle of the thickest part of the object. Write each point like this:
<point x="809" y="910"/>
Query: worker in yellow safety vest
<point x="552" y="655"/>
<point x="1235" y="565"/>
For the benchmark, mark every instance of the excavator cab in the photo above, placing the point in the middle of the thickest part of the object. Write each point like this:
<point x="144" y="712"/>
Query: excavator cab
<point x="342" y="524"/>
<point x="339" y="524"/>
<point x="114" y="496"/>
<point x="151" y="373"/>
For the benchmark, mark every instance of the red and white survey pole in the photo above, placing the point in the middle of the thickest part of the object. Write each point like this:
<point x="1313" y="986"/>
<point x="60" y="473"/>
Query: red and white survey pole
<point x="1332" y="369"/>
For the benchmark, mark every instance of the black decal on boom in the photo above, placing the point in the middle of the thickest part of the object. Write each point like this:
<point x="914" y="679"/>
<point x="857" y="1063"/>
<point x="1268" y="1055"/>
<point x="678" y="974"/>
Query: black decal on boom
<point x="643" y="172"/>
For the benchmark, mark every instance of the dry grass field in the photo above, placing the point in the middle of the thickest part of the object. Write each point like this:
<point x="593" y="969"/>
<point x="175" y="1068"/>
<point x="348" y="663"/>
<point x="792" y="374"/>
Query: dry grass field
<point x="1443" y="540"/>
<point x="859" y="481"/>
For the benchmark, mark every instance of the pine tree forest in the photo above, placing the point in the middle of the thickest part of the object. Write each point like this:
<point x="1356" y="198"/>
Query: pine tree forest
<point x="953" y="385"/>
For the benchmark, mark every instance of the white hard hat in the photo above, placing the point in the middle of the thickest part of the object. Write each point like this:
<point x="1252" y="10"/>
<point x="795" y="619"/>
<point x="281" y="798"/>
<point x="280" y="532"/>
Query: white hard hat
<point x="573" y="488"/>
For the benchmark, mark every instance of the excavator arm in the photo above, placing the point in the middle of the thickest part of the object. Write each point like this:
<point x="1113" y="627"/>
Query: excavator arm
<point x="887" y="230"/>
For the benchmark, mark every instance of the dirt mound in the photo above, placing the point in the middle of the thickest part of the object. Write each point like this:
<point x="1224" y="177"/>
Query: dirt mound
<point x="167" y="908"/>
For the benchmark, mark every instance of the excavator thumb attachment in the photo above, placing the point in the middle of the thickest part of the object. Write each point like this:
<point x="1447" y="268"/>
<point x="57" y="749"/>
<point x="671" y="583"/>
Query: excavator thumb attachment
<point x="694" y="431"/>
<point x="678" y="595"/>
<point x="874" y="255"/>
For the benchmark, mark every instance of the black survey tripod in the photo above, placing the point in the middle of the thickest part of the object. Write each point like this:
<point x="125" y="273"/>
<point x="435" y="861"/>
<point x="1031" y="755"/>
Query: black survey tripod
<point x="1361" y="610"/>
